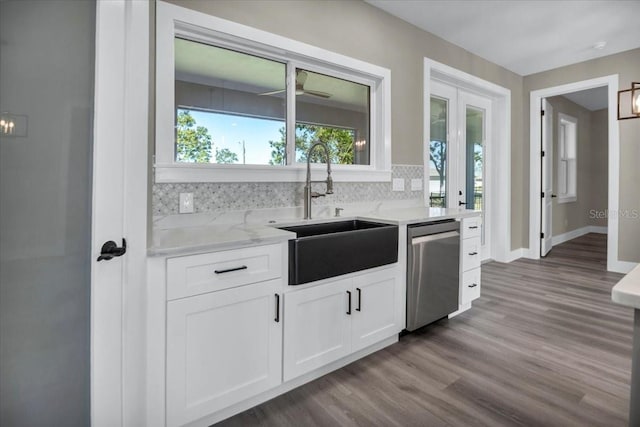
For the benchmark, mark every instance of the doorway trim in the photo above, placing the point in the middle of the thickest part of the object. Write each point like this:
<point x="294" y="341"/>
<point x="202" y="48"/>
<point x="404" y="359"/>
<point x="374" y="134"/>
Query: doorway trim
<point x="499" y="154"/>
<point x="535" y="120"/>
<point x="119" y="209"/>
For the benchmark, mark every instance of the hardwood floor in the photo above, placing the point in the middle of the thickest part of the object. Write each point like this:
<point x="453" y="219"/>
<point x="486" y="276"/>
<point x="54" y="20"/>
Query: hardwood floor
<point x="543" y="346"/>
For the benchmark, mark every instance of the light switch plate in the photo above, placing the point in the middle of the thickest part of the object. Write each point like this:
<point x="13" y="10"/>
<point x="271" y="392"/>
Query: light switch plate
<point x="398" y="184"/>
<point x="416" y="184"/>
<point x="186" y="203"/>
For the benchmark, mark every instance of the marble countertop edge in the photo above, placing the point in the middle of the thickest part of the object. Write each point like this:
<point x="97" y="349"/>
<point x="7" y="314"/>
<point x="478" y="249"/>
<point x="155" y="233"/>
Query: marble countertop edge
<point x="627" y="290"/>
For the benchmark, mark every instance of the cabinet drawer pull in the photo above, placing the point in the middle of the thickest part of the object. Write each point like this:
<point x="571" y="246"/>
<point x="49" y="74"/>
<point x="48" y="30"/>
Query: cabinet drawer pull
<point x="473" y="227"/>
<point x="229" y="270"/>
<point x="473" y="253"/>
<point x="349" y="309"/>
<point x="359" y="299"/>
<point x="473" y="285"/>
<point x="277" y="319"/>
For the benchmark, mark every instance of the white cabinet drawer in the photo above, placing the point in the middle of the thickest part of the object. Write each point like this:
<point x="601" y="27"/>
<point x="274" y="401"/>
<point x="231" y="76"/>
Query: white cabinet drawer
<point x="470" y="227"/>
<point x="470" y="286"/>
<point x="470" y="257"/>
<point x="197" y="274"/>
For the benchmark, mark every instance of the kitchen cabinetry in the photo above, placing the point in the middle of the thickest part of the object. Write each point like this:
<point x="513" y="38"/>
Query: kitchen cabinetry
<point x="470" y="259"/>
<point x="326" y="322"/>
<point x="225" y="346"/>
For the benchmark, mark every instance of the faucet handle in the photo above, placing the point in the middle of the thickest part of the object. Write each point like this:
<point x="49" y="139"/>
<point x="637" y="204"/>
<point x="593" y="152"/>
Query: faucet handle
<point x="338" y="210"/>
<point x="315" y="194"/>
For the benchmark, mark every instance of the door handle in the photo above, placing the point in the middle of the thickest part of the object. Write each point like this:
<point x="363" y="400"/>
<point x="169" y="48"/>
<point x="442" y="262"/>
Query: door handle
<point x="359" y="299"/>
<point x="461" y="203"/>
<point x="277" y="319"/>
<point x="554" y="195"/>
<point x="111" y="250"/>
<point x="473" y="253"/>
<point x="349" y="309"/>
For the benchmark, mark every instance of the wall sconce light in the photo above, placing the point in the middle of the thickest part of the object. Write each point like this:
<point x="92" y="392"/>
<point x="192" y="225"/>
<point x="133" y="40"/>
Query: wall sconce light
<point x="629" y="102"/>
<point x="360" y="145"/>
<point x="13" y="124"/>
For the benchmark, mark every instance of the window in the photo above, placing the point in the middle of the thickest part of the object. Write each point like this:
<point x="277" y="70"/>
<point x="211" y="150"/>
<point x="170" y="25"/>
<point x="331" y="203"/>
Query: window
<point x="231" y="107"/>
<point x="567" y="158"/>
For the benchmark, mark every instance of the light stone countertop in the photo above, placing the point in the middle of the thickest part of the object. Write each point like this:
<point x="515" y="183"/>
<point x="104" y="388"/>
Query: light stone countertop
<point x="627" y="290"/>
<point x="198" y="234"/>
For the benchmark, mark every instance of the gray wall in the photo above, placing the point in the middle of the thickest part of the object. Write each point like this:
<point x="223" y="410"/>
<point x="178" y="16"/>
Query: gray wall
<point x="369" y="34"/>
<point x="599" y="165"/>
<point x="592" y="174"/>
<point x="627" y="66"/>
<point x="46" y="73"/>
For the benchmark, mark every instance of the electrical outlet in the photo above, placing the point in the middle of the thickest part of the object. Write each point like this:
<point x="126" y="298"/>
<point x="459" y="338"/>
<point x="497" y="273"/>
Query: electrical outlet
<point x="186" y="203"/>
<point x="398" y="184"/>
<point x="416" y="184"/>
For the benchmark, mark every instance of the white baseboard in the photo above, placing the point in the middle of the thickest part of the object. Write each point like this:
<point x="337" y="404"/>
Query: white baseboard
<point x="518" y="253"/>
<point x="570" y="235"/>
<point x="621" y="266"/>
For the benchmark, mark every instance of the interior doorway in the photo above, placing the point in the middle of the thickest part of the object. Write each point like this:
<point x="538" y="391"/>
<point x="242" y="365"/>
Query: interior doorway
<point x="574" y="165"/>
<point x="536" y="167"/>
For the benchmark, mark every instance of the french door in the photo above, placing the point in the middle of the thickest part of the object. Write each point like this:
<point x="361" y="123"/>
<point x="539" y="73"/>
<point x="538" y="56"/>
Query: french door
<point x="460" y="124"/>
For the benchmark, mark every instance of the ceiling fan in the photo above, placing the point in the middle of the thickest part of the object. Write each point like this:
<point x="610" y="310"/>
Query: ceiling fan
<point x="301" y="78"/>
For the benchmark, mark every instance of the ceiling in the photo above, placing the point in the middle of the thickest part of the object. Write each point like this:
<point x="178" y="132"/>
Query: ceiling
<point x="527" y="36"/>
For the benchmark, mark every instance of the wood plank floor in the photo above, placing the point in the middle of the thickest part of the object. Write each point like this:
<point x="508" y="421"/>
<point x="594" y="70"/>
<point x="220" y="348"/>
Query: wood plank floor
<point x="543" y="346"/>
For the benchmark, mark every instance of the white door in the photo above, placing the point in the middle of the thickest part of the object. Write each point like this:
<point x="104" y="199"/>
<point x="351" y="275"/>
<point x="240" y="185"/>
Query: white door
<point x="222" y="347"/>
<point x="119" y="211"/>
<point x="375" y="308"/>
<point x="317" y="327"/>
<point x="547" y="178"/>
<point x="459" y="153"/>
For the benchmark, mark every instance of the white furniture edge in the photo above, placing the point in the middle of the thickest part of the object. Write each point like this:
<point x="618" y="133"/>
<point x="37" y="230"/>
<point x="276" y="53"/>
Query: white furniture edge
<point x="627" y="290"/>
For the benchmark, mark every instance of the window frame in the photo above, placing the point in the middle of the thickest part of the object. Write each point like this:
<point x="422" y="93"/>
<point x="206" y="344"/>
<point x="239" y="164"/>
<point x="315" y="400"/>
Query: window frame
<point x="570" y="176"/>
<point x="174" y="21"/>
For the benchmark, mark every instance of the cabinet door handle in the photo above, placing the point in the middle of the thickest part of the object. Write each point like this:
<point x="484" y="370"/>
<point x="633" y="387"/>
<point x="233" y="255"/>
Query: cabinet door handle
<point x="359" y="299"/>
<point x="473" y="253"/>
<point x="473" y="227"/>
<point x="277" y="319"/>
<point x="473" y="285"/>
<point x="229" y="270"/>
<point x="349" y="309"/>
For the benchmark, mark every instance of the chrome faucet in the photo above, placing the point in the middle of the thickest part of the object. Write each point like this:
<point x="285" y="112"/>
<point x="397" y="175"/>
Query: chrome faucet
<point x="308" y="194"/>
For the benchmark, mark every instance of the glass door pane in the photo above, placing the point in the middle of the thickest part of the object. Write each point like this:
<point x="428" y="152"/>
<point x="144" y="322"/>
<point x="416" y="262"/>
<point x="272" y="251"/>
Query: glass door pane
<point x="474" y="159"/>
<point x="438" y="147"/>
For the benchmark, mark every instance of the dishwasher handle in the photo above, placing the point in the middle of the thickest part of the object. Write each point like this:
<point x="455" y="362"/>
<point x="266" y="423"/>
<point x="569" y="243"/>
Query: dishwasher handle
<point x="432" y="237"/>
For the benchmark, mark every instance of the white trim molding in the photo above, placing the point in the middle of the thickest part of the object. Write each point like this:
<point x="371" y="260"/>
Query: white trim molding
<point x="499" y="172"/>
<point x="573" y="234"/>
<point x="536" y="96"/>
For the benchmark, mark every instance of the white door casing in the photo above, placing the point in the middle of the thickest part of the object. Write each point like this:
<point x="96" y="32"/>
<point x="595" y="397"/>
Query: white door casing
<point x="547" y="178"/>
<point x="119" y="211"/>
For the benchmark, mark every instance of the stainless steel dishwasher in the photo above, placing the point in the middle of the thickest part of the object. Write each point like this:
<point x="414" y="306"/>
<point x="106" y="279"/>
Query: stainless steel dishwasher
<point x="433" y="271"/>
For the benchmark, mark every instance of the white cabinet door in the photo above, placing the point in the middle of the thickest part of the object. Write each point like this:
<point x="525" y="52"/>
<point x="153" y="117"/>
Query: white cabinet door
<point x="376" y="308"/>
<point x="317" y="328"/>
<point x="222" y="347"/>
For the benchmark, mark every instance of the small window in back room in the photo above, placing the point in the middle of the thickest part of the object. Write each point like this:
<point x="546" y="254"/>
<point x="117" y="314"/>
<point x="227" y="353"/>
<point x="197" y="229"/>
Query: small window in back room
<point x="221" y="114"/>
<point x="567" y="158"/>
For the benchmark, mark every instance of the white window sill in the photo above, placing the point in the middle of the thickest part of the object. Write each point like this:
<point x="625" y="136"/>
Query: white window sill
<point x="569" y="199"/>
<point x="174" y="173"/>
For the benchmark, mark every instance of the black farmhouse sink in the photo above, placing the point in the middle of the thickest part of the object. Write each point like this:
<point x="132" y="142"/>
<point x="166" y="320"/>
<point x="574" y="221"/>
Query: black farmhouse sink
<point x="331" y="249"/>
